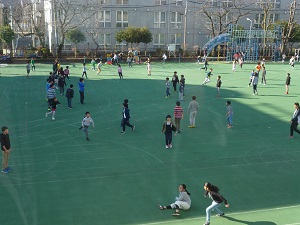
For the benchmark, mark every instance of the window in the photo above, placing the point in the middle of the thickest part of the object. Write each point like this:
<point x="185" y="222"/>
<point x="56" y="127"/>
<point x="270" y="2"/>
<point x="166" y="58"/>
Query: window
<point x="158" y="39"/>
<point x="122" y="19"/>
<point x="160" y="2"/>
<point x="104" y="2"/>
<point x="122" y="2"/>
<point x="176" y="20"/>
<point x="227" y="3"/>
<point x="267" y="3"/>
<point x="176" y="2"/>
<point x="272" y="18"/>
<point x="104" y="18"/>
<point x="104" y="39"/>
<point x="176" y="39"/>
<point x="159" y="19"/>
<point x="214" y="2"/>
<point x="67" y="45"/>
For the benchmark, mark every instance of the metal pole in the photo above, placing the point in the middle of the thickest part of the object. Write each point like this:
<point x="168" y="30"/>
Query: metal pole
<point x="11" y="25"/>
<point x="184" y="28"/>
<point x="250" y="38"/>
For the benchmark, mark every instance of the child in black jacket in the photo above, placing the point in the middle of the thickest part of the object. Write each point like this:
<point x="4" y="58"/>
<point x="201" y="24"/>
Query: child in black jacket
<point x="167" y="129"/>
<point x="70" y="95"/>
<point x="61" y="84"/>
<point x="213" y="192"/>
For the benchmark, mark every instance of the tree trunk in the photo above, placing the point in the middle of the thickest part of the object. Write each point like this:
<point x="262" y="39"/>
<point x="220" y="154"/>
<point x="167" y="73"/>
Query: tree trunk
<point x="61" y="45"/>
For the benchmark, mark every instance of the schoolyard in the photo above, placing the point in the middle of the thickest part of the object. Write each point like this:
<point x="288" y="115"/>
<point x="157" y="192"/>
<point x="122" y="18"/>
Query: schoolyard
<point x="60" y="178"/>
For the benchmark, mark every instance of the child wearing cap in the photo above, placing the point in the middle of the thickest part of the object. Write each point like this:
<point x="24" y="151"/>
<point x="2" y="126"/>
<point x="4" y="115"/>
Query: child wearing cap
<point x="5" y="147"/>
<point x="167" y="129"/>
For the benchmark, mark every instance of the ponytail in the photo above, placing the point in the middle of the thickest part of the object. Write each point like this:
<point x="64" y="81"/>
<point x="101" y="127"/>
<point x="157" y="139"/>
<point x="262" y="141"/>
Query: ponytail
<point x="187" y="192"/>
<point x="184" y="187"/>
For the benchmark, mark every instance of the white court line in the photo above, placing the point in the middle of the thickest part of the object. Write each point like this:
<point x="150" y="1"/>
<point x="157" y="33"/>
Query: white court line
<point x="230" y="214"/>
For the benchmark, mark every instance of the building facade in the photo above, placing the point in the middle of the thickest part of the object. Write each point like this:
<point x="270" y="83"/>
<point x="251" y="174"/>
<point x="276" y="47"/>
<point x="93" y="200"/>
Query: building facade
<point x="182" y="23"/>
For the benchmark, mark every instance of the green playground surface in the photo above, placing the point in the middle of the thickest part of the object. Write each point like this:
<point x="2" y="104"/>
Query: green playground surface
<point x="60" y="178"/>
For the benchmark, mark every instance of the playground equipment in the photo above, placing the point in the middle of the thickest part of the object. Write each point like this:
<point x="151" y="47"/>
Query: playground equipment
<point x="254" y="43"/>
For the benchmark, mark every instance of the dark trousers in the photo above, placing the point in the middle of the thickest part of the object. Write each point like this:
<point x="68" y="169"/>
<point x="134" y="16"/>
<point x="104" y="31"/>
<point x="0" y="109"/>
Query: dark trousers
<point x="69" y="102"/>
<point x="62" y="90"/>
<point x="294" y="128"/>
<point x="50" y="100"/>
<point x="126" y="122"/>
<point x="81" y="96"/>
<point x="168" y="138"/>
<point x="175" y="86"/>
<point x="254" y="88"/>
<point x="84" y="73"/>
<point x="121" y="75"/>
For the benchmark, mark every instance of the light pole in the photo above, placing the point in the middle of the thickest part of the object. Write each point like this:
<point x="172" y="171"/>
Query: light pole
<point x="184" y="28"/>
<point x="250" y="31"/>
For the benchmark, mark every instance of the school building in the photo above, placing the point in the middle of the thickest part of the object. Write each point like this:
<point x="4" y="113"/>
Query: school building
<point x="172" y="22"/>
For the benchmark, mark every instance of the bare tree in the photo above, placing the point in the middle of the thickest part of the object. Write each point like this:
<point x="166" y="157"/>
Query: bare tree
<point x="217" y="15"/>
<point x="288" y="27"/>
<point x="267" y="19"/>
<point x="27" y="20"/>
<point x="70" y="14"/>
<point x="93" y="32"/>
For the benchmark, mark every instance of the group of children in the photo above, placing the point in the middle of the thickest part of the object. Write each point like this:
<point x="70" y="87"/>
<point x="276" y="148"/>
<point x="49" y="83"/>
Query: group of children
<point x="175" y="81"/>
<point x="184" y="202"/>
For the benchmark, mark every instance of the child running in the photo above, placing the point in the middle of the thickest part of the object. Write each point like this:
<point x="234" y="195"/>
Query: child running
<point x="207" y="78"/>
<point x="213" y="193"/>
<point x="86" y="122"/>
<point x="167" y="129"/>
<point x="258" y="68"/>
<point x="28" y="69"/>
<point x="32" y="64"/>
<point x="93" y="63"/>
<point x="126" y="116"/>
<point x="205" y="65"/>
<point x="219" y="83"/>
<point x="183" y="201"/>
<point x="287" y="83"/>
<point x="263" y="75"/>
<point x="149" y="68"/>
<point x="229" y="114"/>
<point x="54" y="104"/>
<point x="178" y="115"/>
<point x="120" y="71"/>
<point x="251" y="78"/>
<point x="84" y="71"/>
<point x="99" y="67"/>
<point x="167" y="87"/>
<point x="255" y="83"/>
<point x="233" y="65"/>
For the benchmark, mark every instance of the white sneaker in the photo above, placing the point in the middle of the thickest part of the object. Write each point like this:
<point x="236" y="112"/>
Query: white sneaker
<point x="53" y="118"/>
<point x="170" y="146"/>
<point x="46" y="115"/>
<point x="167" y="146"/>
